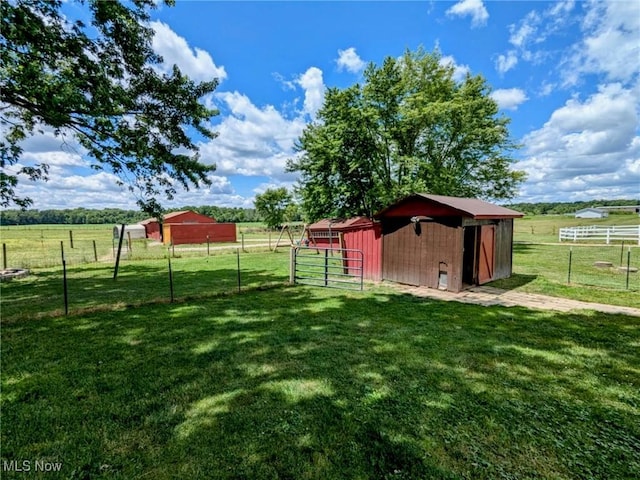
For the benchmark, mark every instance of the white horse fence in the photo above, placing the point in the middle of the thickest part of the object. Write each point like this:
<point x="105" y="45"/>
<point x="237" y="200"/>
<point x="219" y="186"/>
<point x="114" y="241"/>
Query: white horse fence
<point x="626" y="233"/>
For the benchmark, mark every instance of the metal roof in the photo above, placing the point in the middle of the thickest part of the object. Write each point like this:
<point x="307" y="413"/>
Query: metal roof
<point x="340" y="223"/>
<point x="468" y="207"/>
<point x="171" y="215"/>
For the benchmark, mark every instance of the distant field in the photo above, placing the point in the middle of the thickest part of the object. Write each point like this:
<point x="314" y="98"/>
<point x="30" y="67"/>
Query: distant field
<point x="41" y="246"/>
<point x="545" y="228"/>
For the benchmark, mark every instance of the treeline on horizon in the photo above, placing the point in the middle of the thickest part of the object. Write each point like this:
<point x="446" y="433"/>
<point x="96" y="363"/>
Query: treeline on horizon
<point x="77" y="216"/>
<point x="80" y="216"/>
<point x="564" y="208"/>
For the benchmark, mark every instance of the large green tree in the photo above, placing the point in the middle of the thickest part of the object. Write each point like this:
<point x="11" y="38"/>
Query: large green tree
<point x="272" y="206"/>
<point x="99" y="83"/>
<point x="409" y="128"/>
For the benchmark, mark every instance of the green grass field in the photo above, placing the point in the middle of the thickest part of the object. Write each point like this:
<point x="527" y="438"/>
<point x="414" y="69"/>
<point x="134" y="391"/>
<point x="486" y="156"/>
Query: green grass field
<point x="544" y="269"/>
<point x="295" y="382"/>
<point x="42" y="246"/>
<point x="537" y="267"/>
<point x="92" y="286"/>
<point x="545" y="228"/>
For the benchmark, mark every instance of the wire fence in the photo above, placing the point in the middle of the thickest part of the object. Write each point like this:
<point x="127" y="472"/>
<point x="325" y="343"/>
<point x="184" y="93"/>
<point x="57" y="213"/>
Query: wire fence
<point x="29" y="248"/>
<point x="97" y="286"/>
<point x="616" y="267"/>
<point x="66" y="270"/>
<point x="152" y="272"/>
<point x="613" y="267"/>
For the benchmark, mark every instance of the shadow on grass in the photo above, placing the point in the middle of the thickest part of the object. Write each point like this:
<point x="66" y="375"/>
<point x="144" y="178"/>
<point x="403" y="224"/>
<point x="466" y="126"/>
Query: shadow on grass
<point x="93" y="287"/>
<point x="515" y="281"/>
<point x="523" y="247"/>
<point x="309" y="383"/>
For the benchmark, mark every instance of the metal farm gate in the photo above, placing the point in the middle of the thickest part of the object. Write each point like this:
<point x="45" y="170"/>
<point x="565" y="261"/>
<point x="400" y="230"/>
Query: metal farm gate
<point x="327" y="267"/>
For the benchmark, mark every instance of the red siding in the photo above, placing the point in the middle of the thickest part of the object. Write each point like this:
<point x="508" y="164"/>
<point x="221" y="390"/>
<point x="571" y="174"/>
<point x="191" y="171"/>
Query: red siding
<point x="197" y="233"/>
<point x="361" y="235"/>
<point x="415" y="254"/>
<point x="418" y="207"/>
<point x="369" y="240"/>
<point x="153" y="230"/>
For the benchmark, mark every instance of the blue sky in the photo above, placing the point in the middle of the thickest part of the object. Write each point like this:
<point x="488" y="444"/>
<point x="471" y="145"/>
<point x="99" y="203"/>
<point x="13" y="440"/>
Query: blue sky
<point x="566" y="73"/>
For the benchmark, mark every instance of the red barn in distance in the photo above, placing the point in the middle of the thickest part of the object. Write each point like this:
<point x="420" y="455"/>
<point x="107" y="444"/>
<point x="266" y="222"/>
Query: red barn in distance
<point x="186" y="227"/>
<point x="152" y="227"/>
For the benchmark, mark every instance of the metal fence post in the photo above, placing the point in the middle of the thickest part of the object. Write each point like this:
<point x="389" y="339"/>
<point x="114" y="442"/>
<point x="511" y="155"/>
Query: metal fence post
<point x="170" y="278"/>
<point x="115" y="270"/>
<point x="570" y="255"/>
<point x="64" y="279"/>
<point x="64" y="287"/>
<point x="628" y="266"/>
<point x="95" y="251"/>
<point x="326" y="266"/>
<point x="4" y="256"/>
<point x="292" y="265"/>
<point x="238" y="255"/>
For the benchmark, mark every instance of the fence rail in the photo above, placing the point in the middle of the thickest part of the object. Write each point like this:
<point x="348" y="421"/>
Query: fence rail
<point x="327" y="267"/>
<point x="608" y="234"/>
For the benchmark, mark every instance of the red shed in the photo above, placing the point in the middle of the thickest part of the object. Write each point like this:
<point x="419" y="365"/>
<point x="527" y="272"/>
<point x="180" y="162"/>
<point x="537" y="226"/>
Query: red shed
<point x="189" y="227"/>
<point x="152" y="227"/>
<point x="446" y="242"/>
<point x="359" y="233"/>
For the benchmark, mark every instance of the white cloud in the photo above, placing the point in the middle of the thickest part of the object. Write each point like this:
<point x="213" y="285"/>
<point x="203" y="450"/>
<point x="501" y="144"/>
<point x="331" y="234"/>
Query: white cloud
<point x="586" y="149"/>
<point x="473" y="8"/>
<point x="546" y="89"/>
<point x="610" y="46"/>
<point x="55" y="159"/>
<point x="67" y="190"/>
<point x="528" y="28"/>
<point x="459" y="71"/>
<point x="509" y="98"/>
<point x="258" y="141"/>
<point x="252" y="141"/>
<point x="197" y="64"/>
<point x="313" y="86"/>
<point x="220" y="193"/>
<point x="349" y="60"/>
<point x="263" y="187"/>
<point x="286" y="84"/>
<point x="506" y="62"/>
<point x="529" y="34"/>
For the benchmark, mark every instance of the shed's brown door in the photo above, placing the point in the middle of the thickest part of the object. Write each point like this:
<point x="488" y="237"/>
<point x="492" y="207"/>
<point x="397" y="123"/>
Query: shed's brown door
<point x="487" y="250"/>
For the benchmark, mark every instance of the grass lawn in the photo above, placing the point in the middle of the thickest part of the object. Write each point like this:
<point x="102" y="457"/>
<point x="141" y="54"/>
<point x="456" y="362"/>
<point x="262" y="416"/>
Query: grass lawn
<point x="545" y="228"/>
<point x="92" y="287"/>
<point x="41" y="246"/>
<point x="544" y="269"/>
<point x="295" y="382"/>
